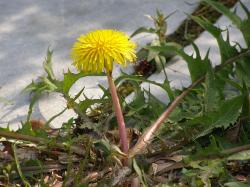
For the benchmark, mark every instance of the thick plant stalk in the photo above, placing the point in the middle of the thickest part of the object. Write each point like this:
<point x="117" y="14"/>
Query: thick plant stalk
<point x="146" y="138"/>
<point x="148" y="135"/>
<point x="119" y="115"/>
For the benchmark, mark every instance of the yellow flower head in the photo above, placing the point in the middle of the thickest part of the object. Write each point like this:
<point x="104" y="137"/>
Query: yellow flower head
<point x="97" y="50"/>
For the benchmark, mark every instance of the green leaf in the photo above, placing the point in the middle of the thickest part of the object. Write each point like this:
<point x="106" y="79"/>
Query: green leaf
<point x="55" y="116"/>
<point x="245" y="108"/>
<point x="140" y="173"/>
<point x="143" y="30"/>
<point x="49" y="84"/>
<point x="243" y="25"/>
<point x="116" y="151"/>
<point x="42" y="85"/>
<point x="165" y="86"/>
<point x="212" y="97"/>
<point x="94" y="127"/>
<point x="226" y="50"/>
<point x="32" y="103"/>
<point x="5" y="129"/>
<point x="207" y="25"/>
<point x="190" y="107"/>
<point x="244" y="155"/>
<point x="47" y="65"/>
<point x="225" y="11"/>
<point x="106" y="92"/>
<point x="34" y="87"/>
<point x="236" y="184"/>
<point x="226" y="115"/>
<point x="246" y="10"/>
<point x="78" y="94"/>
<point x="86" y="103"/>
<point x="160" y="62"/>
<point x="243" y="70"/>
<point x="70" y="78"/>
<point x="26" y="129"/>
<point x="155" y="106"/>
<point x="196" y="65"/>
<point x="151" y="53"/>
<point x="137" y="104"/>
<point x="212" y="149"/>
<point x="104" y="146"/>
<point x="166" y="48"/>
<point x="233" y="83"/>
<point x="205" y="171"/>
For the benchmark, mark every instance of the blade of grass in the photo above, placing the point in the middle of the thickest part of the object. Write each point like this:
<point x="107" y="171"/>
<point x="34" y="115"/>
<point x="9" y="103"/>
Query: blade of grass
<point x="24" y="180"/>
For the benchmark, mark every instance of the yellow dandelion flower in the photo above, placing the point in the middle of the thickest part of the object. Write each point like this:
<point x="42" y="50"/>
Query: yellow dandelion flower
<point x="97" y="50"/>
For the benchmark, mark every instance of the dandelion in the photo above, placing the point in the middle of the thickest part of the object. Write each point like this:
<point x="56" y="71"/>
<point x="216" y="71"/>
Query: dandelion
<point x="96" y="52"/>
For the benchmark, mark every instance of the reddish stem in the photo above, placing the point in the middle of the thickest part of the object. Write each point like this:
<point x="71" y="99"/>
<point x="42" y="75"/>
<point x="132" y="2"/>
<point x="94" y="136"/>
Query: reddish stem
<point x="119" y="115"/>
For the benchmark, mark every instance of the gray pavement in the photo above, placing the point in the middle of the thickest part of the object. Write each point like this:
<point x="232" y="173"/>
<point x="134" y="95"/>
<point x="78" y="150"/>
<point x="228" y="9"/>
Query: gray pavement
<point x="28" y="27"/>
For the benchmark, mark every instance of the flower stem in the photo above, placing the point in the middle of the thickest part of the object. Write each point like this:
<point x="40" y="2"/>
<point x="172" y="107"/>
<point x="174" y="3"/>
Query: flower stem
<point x="118" y="113"/>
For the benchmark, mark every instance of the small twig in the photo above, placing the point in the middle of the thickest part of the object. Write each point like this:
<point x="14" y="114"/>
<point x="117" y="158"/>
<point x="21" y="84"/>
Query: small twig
<point x="92" y="177"/>
<point x="221" y="154"/>
<point x="96" y="175"/>
<point x="236" y="149"/>
<point x="44" y="168"/>
<point x="177" y="165"/>
<point x="225" y="153"/>
<point x="121" y="176"/>
<point x="37" y="140"/>
<point x="146" y="138"/>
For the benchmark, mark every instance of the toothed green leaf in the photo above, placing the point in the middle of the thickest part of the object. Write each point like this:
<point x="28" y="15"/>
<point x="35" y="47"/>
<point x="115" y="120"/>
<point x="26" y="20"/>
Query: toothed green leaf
<point x="243" y="70"/>
<point x="242" y="24"/>
<point x="213" y="92"/>
<point x="225" y="11"/>
<point x="196" y="65"/>
<point x="226" y="115"/>
<point x="165" y="86"/>
<point x="70" y="78"/>
<point x="226" y="50"/>
<point x="86" y="103"/>
<point x="143" y="30"/>
<point x="47" y="65"/>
